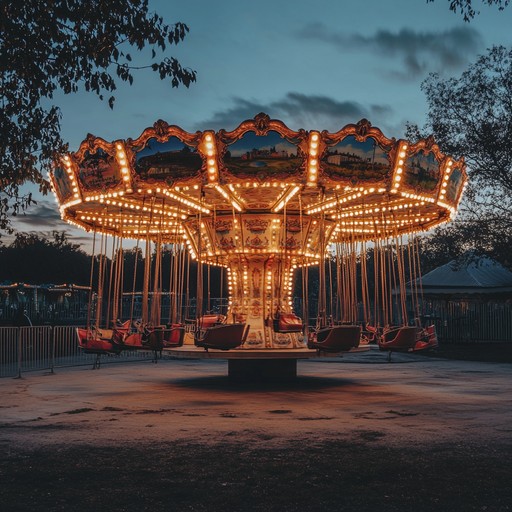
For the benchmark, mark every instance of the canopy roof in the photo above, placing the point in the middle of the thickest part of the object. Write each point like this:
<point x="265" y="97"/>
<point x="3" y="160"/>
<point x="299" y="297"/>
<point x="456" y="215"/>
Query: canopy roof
<point x="176" y="186"/>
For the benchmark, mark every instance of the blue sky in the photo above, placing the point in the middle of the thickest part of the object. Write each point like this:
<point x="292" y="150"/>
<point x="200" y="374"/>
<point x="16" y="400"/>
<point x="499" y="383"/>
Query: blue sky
<point x="314" y="65"/>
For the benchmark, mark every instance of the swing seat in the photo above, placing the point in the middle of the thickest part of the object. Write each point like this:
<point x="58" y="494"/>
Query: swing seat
<point x="207" y="321"/>
<point x="402" y="339"/>
<point x="339" y="338"/>
<point x="131" y="341"/>
<point x="288" y="323"/>
<point x="427" y="338"/>
<point x="174" y="336"/>
<point x="222" y="337"/>
<point x="91" y="344"/>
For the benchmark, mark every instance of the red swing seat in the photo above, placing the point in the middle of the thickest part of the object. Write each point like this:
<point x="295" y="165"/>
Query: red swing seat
<point x="210" y="320"/>
<point x="402" y="339"/>
<point x="339" y="338"/>
<point x="288" y="323"/>
<point x="174" y="336"/>
<point x="90" y="343"/>
<point x="427" y="338"/>
<point x="222" y="337"/>
<point x="158" y="339"/>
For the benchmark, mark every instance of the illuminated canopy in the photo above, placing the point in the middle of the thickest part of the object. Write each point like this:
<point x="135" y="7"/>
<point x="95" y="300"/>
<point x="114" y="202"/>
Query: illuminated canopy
<point x="175" y="184"/>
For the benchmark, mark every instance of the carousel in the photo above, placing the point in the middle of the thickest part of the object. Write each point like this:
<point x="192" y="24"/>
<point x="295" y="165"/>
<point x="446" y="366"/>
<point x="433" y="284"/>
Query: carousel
<point x="266" y="205"/>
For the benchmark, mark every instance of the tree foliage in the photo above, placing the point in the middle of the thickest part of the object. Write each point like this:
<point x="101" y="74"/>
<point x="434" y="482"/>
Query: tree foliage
<point x="67" y="45"/>
<point x="471" y="116"/>
<point x="34" y="259"/>
<point x="466" y="9"/>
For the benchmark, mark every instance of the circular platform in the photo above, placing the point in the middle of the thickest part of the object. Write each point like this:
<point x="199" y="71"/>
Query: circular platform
<point x="257" y="365"/>
<point x="192" y="352"/>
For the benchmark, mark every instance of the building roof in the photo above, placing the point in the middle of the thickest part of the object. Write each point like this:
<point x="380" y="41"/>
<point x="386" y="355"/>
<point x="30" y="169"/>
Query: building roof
<point x="473" y="275"/>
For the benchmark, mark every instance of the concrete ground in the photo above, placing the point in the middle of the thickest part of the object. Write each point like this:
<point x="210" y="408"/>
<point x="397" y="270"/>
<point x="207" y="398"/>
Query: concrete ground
<point x="412" y="401"/>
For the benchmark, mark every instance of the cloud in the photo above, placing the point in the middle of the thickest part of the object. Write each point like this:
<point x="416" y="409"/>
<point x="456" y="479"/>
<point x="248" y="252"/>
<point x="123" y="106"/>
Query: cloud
<point x="42" y="216"/>
<point x="420" y="52"/>
<point x="298" y="110"/>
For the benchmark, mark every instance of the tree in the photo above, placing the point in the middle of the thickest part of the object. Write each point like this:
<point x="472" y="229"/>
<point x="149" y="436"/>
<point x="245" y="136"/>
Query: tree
<point x="33" y="259"/>
<point x="471" y="116"/>
<point x="66" y="45"/>
<point x="466" y="8"/>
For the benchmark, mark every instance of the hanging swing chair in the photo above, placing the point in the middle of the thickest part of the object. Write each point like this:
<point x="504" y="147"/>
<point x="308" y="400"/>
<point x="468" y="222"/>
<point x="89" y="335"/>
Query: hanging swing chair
<point x="402" y="339"/>
<point x="222" y="337"/>
<point x="335" y="339"/>
<point x="339" y="332"/>
<point x="427" y="339"/>
<point x="90" y="342"/>
<point x="407" y="338"/>
<point x="287" y="323"/>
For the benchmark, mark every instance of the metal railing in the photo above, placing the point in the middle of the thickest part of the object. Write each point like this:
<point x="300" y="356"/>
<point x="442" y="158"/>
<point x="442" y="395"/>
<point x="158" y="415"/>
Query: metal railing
<point x="26" y="349"/>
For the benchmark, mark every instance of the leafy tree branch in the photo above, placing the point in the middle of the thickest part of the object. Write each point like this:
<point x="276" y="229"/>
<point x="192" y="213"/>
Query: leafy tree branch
<point x="67" y="45"/>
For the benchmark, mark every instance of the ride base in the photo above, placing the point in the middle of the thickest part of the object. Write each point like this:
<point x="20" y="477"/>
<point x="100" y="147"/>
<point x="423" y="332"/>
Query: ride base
<point x="257" y="366"/>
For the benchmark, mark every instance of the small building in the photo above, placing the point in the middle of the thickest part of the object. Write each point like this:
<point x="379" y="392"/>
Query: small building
<point x="469" y="300"/>
<point x="472" y="279"/>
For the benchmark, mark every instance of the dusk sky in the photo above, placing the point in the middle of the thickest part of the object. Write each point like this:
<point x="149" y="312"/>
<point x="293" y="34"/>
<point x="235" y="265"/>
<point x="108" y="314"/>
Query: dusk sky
<point x="314" y="65"/>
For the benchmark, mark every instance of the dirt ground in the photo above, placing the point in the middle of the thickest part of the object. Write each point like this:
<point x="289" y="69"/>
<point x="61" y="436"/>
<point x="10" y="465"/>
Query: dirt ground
<point x="353" y="433"/>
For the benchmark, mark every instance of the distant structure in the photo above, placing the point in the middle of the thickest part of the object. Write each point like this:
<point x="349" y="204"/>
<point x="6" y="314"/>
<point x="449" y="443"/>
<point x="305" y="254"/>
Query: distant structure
<point x="473" y="278"/>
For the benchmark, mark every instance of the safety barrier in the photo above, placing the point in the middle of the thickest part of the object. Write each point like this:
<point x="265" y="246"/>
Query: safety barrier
<point x="25" y="349"/>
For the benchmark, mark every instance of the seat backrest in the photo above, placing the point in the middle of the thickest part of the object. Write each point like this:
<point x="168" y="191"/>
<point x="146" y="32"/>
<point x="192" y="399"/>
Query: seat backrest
<point x="207" y="321"/>
<point x="175" y="334"/>
<point x="82" y="336"/>
<point x="220" y="333"/>
<point x="288" y="322"/>
<point x="154" y="340"/>
<point x="406" y="336"/>
<point x="349" y="335"/>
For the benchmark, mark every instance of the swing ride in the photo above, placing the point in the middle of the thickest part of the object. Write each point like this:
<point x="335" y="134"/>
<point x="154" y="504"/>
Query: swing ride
<point x="269" y="207"/>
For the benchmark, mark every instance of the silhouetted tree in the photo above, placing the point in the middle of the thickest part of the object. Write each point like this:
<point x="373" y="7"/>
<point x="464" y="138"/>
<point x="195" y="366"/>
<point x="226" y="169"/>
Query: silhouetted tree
<point x="34" y="259"/>
<point x="470" y="116"/>
<point x="466" y="9"/>
<point x="65" y="45"/>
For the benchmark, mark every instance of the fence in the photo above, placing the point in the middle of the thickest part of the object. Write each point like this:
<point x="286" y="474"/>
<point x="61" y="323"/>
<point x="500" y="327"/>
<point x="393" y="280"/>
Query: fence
<point x="25" y="349"/>
<point x="76" y="313"/>
<point x="472" y="321"/>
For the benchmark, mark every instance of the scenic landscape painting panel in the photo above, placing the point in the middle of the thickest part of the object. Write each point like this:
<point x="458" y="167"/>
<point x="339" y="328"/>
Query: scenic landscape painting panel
<point x="262" y="156"/>
<point x="355" y="160"/>
<point x="99" y="171"/>
<point x="167" y="161"/>
<point x="454" y="185"/>
<point x="62" y="185"/>
<point x="422" y="171"/>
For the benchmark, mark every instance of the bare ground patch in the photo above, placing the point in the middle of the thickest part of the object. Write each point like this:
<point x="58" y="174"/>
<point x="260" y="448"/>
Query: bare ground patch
<point x="297" y="475"/>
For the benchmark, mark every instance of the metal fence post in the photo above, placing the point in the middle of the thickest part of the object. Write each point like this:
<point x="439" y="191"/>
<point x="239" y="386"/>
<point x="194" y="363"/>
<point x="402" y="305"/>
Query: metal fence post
<point x="52" y="351"/>
<point x="19" y="353"/>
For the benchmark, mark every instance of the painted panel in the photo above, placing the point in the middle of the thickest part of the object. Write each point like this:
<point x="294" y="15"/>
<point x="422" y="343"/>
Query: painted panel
<point x="99" y="171"/>
<point x="454" y="186"/>
<point x="422" y="171"/>
<point x="167" y="161"/>
<point x="62" y="185"/>
<point x="262" y="157"/>
<point x="355" y="160"/>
